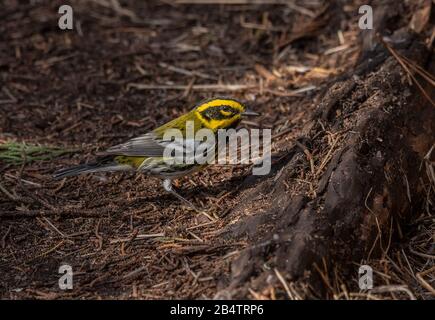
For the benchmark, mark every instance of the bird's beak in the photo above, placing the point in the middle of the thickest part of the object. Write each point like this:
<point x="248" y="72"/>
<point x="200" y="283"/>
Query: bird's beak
<point x="250" y="113"/>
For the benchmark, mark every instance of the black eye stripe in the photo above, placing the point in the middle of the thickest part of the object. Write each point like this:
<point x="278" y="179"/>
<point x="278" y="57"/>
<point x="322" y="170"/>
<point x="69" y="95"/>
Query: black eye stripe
<point x="216" y="112"/>
<point x="205" y="115"/>
<point x="228" y="109"/>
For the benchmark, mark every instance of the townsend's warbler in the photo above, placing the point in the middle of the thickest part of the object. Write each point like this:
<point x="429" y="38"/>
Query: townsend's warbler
<point x="145" y="153"/>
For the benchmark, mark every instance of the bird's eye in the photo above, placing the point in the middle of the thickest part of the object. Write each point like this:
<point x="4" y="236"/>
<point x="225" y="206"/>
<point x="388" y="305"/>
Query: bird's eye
<point x="226" y="113"/>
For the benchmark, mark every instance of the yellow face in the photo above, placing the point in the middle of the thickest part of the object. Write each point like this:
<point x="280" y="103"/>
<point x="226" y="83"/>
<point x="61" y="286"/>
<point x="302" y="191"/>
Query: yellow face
<point x="220" y="113"/>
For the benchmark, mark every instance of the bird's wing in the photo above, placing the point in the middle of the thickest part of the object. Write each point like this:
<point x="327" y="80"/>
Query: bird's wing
<point x="145" y="145"/>
<point x="148" y="145"/>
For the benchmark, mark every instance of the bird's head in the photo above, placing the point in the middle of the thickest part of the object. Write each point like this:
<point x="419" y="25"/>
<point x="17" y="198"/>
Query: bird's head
<point x="221" y="113"/>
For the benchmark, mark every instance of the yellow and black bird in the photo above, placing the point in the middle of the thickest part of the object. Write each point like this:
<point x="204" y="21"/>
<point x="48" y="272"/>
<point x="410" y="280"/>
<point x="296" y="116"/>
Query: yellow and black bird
<point x="145" y="153"/>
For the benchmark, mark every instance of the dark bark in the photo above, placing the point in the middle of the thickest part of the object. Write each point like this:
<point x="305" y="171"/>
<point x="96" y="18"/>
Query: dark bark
<point x="370" y="184"/>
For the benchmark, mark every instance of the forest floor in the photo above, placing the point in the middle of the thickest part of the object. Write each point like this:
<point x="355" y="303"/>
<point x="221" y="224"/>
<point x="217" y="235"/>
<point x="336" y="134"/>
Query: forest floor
<point x="123" y="71"/>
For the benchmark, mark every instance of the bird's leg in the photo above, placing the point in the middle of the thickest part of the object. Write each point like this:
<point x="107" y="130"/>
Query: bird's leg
<point x="167" y="185"/>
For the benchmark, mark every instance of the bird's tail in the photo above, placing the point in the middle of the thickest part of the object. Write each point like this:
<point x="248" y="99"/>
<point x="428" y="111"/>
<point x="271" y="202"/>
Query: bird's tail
<point x="91" y="168"/>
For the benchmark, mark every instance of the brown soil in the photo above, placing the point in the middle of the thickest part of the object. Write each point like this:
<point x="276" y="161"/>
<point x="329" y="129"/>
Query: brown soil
<point x="338" y="139"/>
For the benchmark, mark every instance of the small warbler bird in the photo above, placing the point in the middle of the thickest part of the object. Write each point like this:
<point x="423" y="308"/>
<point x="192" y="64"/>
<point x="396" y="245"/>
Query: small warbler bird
<point x="145" y="153"/>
